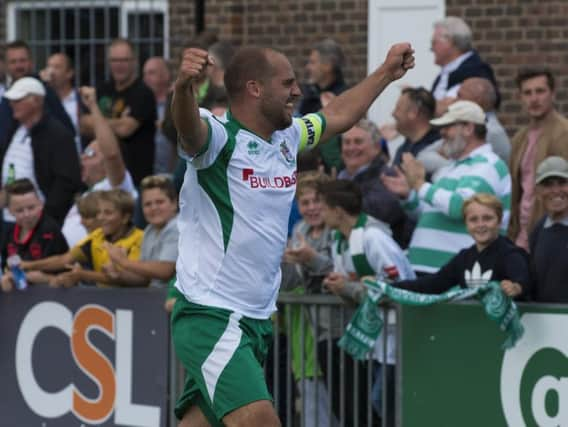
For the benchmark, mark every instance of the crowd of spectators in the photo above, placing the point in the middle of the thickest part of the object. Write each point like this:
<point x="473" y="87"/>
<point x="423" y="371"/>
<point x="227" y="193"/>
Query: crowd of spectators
<point x="89" y="196"/>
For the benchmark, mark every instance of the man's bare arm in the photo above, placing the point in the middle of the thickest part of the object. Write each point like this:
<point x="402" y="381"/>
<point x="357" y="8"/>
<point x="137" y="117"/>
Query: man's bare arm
<point x="191" y="129"/>
<point x="108" y="143"/>
<point x="346" y="109"/>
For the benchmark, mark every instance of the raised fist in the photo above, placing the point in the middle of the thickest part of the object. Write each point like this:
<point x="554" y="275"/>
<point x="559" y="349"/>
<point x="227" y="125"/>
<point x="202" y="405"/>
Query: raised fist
<point x="400" y="58"/>
<point x="193" y="65"/>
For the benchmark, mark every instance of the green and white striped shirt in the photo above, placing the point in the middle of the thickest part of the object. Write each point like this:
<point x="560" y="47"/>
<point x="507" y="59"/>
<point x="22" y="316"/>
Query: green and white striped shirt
<point x="441" y="232"/>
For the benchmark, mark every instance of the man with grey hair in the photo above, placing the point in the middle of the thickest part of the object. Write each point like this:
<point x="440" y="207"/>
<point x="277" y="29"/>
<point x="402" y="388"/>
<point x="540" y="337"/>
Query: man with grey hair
<point x="482" y="92"/>
<point x="364" y="163"/>
<point x="325" y="80"/>
<point x="453" y="51"/>
<point x="325" y="74"/>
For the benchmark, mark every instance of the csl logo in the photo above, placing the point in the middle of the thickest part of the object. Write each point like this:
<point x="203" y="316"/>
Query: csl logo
<point x="534" y="374"/>
<point x="114" y="383"/>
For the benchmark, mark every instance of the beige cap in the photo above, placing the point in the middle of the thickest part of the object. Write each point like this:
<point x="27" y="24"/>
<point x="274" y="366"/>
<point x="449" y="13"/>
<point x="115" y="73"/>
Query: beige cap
<point x="552" y="166"/>
<point x="24" y="87"/>
<point x="461" y="111"/>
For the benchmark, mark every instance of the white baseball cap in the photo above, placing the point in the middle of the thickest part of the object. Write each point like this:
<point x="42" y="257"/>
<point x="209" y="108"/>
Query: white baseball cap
<point x="24" y="87"/>
<point x="553" y="166"/>
<point x="461" y="111"/>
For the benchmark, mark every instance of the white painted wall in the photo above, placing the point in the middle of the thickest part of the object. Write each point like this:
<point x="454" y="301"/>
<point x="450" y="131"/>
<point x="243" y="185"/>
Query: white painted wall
<point x="392" y="21"/>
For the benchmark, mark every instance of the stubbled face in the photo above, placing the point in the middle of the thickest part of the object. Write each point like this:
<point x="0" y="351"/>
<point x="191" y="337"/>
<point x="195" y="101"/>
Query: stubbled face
<point x="157" y="207"/>
<point x="60" y="73"/>
<point x="280" y="93"/>
<point x="310" y="207"/>
<point x="111" y="219"/>
<point x="27" y="209"/>
<point x="537" y="97"/>
<point x="18" y="63"/>
<point x="122" y="63"/>
<point x="482" y="224"/>
<point x="454" y="141"/>
<point x="402" y="114"/>
<point x="553" y="192"/>
<point x="358" y="149"/>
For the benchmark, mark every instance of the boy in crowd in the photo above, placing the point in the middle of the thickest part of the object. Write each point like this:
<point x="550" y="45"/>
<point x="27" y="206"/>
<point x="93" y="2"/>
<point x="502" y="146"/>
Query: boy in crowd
<point x="34" y="235"/>
<point x="116" y="208"/>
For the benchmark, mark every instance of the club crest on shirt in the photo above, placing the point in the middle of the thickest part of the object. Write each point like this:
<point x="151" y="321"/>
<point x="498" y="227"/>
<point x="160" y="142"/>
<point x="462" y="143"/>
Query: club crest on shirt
<point x="285" y="150"/>
<point x="253" y="147"/>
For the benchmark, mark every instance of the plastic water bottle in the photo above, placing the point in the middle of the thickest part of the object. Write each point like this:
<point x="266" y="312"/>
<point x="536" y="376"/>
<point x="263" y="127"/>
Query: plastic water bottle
<point x="11" y="174"/>
<point x="20" y="280"/>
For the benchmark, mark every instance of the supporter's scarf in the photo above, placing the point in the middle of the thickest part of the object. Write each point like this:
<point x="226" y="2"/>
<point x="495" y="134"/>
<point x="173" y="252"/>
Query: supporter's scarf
<point x="355" y="245"/>
<point x="366" y="324"/>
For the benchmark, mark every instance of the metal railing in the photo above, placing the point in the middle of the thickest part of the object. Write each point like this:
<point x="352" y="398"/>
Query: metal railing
<point x="313" y="382"/>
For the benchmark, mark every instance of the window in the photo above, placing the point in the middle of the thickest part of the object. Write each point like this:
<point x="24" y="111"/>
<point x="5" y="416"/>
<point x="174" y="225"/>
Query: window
<point x="83" y="29"/>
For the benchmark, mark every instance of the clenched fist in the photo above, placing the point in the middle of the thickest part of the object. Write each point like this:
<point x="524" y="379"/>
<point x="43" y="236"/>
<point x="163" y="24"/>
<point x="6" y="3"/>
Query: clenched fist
<point x="193" y="64"/>
<point x="400" y="59"/>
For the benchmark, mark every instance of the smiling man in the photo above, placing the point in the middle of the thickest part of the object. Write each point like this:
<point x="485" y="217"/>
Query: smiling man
<point x="549" y="239"/>
<point x="545" y="135"/>
<point x="474" y="168"/>
<point x="235" y="203"/>
<point x="364" y="163"/>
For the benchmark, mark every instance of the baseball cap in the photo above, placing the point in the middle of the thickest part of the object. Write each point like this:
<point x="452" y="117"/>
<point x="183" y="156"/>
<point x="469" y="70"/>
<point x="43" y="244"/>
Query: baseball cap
<point x="552" y="166"/>
<point x="461" y="111"/>
<point x="24" y="87"/>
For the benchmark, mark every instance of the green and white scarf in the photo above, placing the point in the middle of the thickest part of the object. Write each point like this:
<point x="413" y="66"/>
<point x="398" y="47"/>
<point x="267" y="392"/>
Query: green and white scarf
<point x="356" y="249"/>
<point x="366" y="324"/>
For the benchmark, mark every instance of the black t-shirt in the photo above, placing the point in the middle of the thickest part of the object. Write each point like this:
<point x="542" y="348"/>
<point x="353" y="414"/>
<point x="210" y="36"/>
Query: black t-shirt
<point x="43" y="241"/>
<point x="138" y="102"/>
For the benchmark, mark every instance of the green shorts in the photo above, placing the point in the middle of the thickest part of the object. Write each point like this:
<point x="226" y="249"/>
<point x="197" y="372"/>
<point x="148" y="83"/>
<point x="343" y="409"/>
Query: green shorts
<point x="223" y="354"/>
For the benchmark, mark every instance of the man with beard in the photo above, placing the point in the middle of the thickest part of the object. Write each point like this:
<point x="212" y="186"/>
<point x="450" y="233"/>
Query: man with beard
<point x="235" y="203"/>
<point x="475" y="168"/>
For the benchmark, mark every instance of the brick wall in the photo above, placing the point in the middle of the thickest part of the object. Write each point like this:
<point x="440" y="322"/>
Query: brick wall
<point x="507" y="33"/>
<point x="291" y="26"/>
<point x="513" y="33"/>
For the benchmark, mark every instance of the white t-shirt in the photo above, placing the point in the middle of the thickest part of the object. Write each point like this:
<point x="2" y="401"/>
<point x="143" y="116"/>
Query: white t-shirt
<point x="71" y="105"/>
<point x="19" y="154"/>
<point x="234" y="207"/>
<point x="72" y="229"/>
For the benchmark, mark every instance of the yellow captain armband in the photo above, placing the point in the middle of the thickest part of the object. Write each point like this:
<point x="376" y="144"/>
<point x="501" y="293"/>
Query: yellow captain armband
<point x="312" y="127"/>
